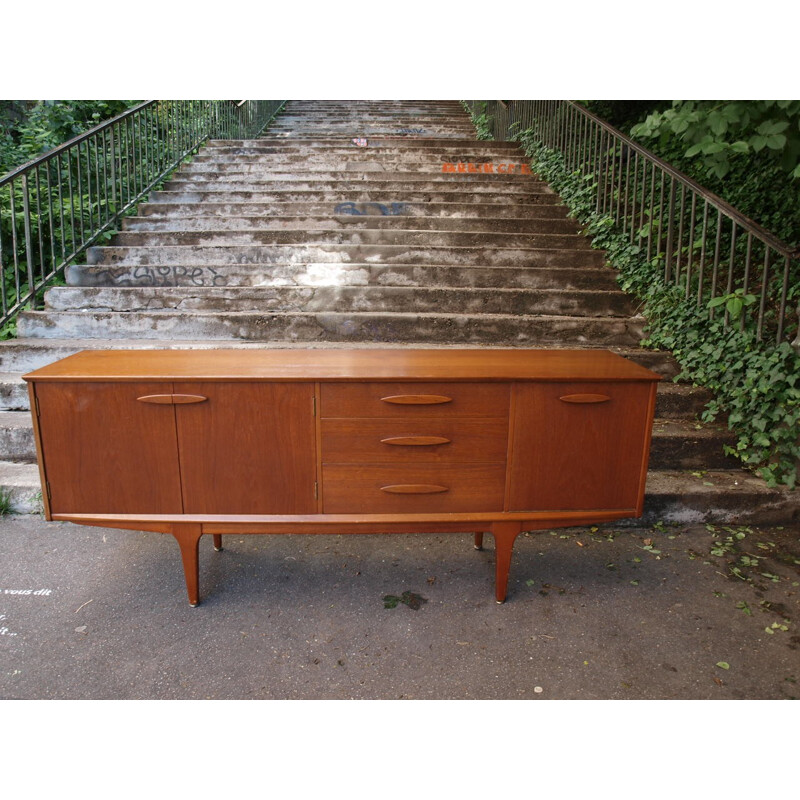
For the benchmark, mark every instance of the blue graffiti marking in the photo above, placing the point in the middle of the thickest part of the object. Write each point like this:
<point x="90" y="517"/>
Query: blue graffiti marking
<point x="393" y="210"/>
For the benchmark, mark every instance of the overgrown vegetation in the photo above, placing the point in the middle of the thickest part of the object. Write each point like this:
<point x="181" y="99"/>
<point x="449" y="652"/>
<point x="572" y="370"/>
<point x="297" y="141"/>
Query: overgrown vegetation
<point x="756" y="384"/>
<point x="30" y="128"/>
<point x="6" y="501"/>
<point x="745" y="151"/>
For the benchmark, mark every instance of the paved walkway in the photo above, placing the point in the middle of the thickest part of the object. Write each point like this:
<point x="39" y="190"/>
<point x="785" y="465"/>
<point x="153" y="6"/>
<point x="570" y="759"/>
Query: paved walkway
<point x="611" y="613"/>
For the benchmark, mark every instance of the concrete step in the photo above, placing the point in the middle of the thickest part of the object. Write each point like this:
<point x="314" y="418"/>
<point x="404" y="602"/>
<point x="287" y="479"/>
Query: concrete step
<point x="356" y="126"/>
<point x="350" y="158"/>
<point x="297" y="117"/>
<point x="16" y="436"/>
<point x="679" y="444"/>
<point x="393" y="110"/>
<point x="519" y="212"/>
<point x="340" y="299"/>
<point x="500" y="329"/>
<point x="205" y="256"/>
<point x="428" y="180"/>
<point x="367" y="131"/>
<point x="357" y="169"/>
<point x="400" y="142"/>
<point x="13" y="392"/>
<point x="22" y="485"/>
<point x="350" y="222"/>
<point x="733" y="497"/>
<point x="345" y="274"/>
<point x="346" y="236"/>
<point x="681" y="401"/>
<point x="445" y="194"/>
<point x="376" y="146"/>
<point x="363" y="125"/>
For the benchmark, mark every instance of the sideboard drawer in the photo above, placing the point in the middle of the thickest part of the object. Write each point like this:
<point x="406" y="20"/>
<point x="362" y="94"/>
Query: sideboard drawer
<point x="415" y="399"/>
<point x="417" y="489"/>
<point x="392" y="441"/>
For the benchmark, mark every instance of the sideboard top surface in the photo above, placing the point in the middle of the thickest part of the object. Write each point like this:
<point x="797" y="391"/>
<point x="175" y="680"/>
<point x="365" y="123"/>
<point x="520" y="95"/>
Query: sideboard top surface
<point x="344" y="365"/>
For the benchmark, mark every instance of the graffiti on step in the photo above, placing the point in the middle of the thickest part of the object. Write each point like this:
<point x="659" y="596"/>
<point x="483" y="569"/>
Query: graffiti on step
<point x="411" y="130"/>
<point x="360" y="209"/>
<point x="162" y="276"/>
<point x="487" y="168"/>
<point x="467" y="159"/>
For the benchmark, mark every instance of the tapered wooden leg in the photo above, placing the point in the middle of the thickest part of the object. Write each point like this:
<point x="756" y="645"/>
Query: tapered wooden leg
<point x="479" y="540"/>
<point x="504" y="535"/>
<point x="188" y="536"/>
<point x="217" y="541"/>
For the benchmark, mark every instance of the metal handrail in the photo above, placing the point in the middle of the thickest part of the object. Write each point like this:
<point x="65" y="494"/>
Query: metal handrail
<point x="57" y="205"/>
<point x="700" y="242"/>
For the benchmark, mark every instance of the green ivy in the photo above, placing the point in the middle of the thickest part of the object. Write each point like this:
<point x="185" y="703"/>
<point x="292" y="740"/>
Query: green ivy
<point x="756" y="384"/>
<point x="481" y="120"/>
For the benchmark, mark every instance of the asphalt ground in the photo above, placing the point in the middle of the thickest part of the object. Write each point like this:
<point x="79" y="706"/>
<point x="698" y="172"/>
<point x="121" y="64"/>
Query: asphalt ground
<point x="601" y="613"/>
<point x="608" y="613"/>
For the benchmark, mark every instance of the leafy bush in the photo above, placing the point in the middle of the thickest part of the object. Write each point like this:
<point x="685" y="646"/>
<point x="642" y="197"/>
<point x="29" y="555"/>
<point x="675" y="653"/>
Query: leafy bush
<point x="29" y="129"/>
<point x="746" y="152"/>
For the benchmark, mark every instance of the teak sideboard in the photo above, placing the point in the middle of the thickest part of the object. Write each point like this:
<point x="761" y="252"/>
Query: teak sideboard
<point x="188" y="442"/>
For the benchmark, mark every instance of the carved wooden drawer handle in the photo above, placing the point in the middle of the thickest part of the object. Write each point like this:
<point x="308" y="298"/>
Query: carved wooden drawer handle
<point x="585" y="398"/>
<point x="414" y="488"/>
<point x="415" y="441"/>
<point x="172" y="399"/>
<point x="417" y="399"/>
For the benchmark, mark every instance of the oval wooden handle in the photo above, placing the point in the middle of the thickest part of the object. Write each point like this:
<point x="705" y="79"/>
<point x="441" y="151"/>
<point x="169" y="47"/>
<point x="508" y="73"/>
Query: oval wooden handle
<point x="414" y="488"/>
<point x="417" y="399"/>
<point x="585" y="398"/>
<point x="172" y="399"/>
<point x="415" y="441"/>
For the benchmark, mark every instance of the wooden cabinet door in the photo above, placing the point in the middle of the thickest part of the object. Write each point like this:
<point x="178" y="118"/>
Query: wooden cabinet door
<point x="580" y="446"/>
<point x="106" y="452"/>
<point x="249" y="448"/>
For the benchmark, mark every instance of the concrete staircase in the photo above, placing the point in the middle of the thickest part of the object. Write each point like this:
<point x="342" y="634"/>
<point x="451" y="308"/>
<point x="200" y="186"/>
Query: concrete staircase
<point x="368" y="224"/>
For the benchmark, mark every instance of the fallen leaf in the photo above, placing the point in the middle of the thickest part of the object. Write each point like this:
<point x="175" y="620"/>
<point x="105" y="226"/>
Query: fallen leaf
<point x="718" y="681"/>
<point x="723" y="665"/>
